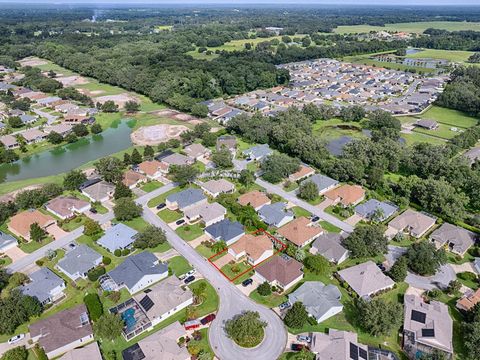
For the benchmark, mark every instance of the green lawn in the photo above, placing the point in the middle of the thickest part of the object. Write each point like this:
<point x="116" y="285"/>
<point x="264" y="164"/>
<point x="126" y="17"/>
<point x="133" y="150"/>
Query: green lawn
<point x="291" y="186"/>
<point x="161" y="198"/>
<point x="242" y="266"/>
<point x="335" y="128"/>
<point x="169" y="215"/>
<point x="161" y="248"/>
<point x="201" y="346"/>
<point x="416" y="137"/>
<point x="179" y="265"/>
<point x="74" y="223"/>
<point x="445" y="116"/>
<point x="207" y="252"/>
<point x="299" y="212"/>
<point x="271" y="301"/>
<point x="138" y="224"/>
<point x="189" y="232"/>
<point x="329" y="227"/>
<point x="443" y="131"/>
<point x="450" y="55"/>
<point x="151" y="185"/>
<point x="32" y="246"/>
<point x="468" y="279"/>
<point x="414" y="27"/>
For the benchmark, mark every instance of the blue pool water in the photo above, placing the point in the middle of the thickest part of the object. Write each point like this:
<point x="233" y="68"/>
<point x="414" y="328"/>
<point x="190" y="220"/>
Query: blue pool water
<point x="129" y="317"/>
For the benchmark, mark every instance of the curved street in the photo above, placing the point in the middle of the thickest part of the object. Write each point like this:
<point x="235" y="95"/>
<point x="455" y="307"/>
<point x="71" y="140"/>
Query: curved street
<point x="232" y="302"/>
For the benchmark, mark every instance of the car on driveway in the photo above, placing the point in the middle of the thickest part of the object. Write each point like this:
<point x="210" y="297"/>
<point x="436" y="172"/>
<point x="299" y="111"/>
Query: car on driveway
<point x="304" y="338"/>
<point x="189" y="279"/>
<point x="284" y="305"/>
<point x="161" y="206"/>
<point x="207" y="319"/>
<point x="93" y="210"/>
<point x="191" y="272"/>
<point x="298" y="347"/>
<point x="247" y="282"/>
<point x="315" y="218"/>
<point x="179" y="222"/>
<point x="16" y="339"/>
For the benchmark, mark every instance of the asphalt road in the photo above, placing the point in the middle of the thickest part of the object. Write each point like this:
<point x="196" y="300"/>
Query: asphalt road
<point x="299" y="202"/>
<point x="232" y="302"/>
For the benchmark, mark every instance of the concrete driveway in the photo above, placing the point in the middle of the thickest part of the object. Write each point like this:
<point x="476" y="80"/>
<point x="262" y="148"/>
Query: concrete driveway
<point x="15" y="253"/>
<point x="56" y="231"/>
<point x="354" y="219"/>
<point x="4" y="347"/>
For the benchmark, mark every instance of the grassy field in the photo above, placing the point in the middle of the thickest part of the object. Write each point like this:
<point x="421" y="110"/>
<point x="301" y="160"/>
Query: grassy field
<point x="189" y="232"/>
<point x="169" y="215"/>
<point x="179" y="265"/>
<point x="413" y="27"/>
<point x="446" y="116"/>
<point x="450" y="55"/>
<point x="271" y="301"/>
<point x="366" y="60"/>
<point x="335" y="128"/>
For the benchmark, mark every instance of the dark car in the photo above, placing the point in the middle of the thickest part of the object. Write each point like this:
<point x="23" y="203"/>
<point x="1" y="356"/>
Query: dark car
<point x="298" y="347"/>
<point x="315" y="218"/>
<point x="189" y="279"/>
<point x="160" y="206"/>
<point x="207" y="319"/>
<point x="381" y="266"/>
<point x="179" y="222"/>
<point x="93" y="210"/>
<point x="247" y="282"/>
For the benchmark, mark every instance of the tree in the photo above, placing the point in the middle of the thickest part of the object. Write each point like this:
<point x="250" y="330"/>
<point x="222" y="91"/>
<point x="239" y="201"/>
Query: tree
<point x="366" y="241"/>
<point x="303" y="354"/>
<point x="17" y="353"/>
<point x="378" y="317"/>
<point x="151" y="237"/>
<point x="73" y="179"/>
<point x="110" y="169"/>
<point x="209" y="139"/>
<point x="135" y="157"/>
<point x="94" y="306"/>
<point x="80" y="130"/>
<point x="246" y="329"/>
<point x="184" y="174"/>
<point x="148" y="152"/>
<point x="296" y="316"/>
<point x="246" y="178"/>
<point x="308" y="190"/>
<point x="122" y="191"/>
<point x="16" y="309"/>
<point x="132" y="106"/>
<point x="15" y="122"/>
<point x="54" y="138"/>
<point x="71" y="138"/>
<point x="219" y="246"/>
<point x="279" y="166"/>
<point x="37" y="234"/>
<point x="352" y="113"/>
<point x="126" y="209"/>
<point x="109" y="106"/>
<point x="199" y="291"/>
<point x="126" y="159"/>
<point x="317" y="264"/>
<point x="96" y="128"/>
<point x="398" y="272"/>
<point x="264" y="289"/>
<point x="471" y="339"/>
<point x="424" y="259"/>
<point x="109" y="326"/>
<point x="454" y="286"/>
<point x="91" y="227"/>
<point x="199" y="110"/>
<point x="222" y="158"/>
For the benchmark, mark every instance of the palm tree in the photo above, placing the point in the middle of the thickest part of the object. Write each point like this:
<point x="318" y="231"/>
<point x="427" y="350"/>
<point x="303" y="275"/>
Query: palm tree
<point x="219" y="246"/>
<point x="199" y="292"/>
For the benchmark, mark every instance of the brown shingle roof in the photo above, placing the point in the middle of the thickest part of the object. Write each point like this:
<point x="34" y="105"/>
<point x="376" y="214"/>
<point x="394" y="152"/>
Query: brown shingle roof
<point x="254" y="246"/>
<point x="282" y="269"/>
<point x="301" y="173"/>
<point x="65" y="206"/>
<point x="151" y="167"/>
<point x="469" y="301"/>
<point x="348" y="194"/>
<point x="300" y="231"/>
<point x="254" y="198"/>
<point x="21" y="222"/>
<point x="132" y="178"/>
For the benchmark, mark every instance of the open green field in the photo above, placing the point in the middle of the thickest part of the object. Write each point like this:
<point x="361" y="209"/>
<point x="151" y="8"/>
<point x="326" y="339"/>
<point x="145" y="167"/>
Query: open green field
<point x="450" y="117"/>
<point x="366" y="60"/>
<point x="450" y="55"/>
<point x="413" y="27"/>
<point x="335" y="128"/>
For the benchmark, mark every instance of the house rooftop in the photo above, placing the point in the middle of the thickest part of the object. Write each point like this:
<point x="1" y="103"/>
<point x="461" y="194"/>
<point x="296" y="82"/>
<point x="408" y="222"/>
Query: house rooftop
<point x="79" y="260"/>
<point x="119" y="236"/>
<point x="299" y="231"/>
<point x="42" y="282"/>
<point x="274" y="214"/>
<point x="90" y="352"/>
<point x="458" y="239"/>
<point x="469" y="300"/>
<point x="22" y="221"/>
<point x="418" y="222"/>
<point x="282" y="269"/>
<point x="195" y="150"/>
<point x="218" y="186"/>
<point x="330" y="246"/>
<point x="225" y="230"/>
<point x="66" y="205"/>
<point x="254" y="198"/>
<point x="176" y="159"/>
<point x="338" y="345"/>
<point x="131" y="178"/>
<point x="348" y="194"/>
<point x="186" y="197"/>
<point x="151" y="167"/>
<point x="374" y="208"/>
<point x="99" y="190"/>
<point x="254" y="246"/>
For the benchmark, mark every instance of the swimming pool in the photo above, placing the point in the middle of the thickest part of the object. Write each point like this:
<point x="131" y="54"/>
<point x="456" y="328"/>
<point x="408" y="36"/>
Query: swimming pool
<point x="129" y="317"/>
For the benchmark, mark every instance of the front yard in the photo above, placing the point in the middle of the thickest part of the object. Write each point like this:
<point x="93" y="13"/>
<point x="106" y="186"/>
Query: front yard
<point x="169" y="215"/>
<point x="234" y="270"/>
<point x="189" y="232"/>
<point x="179" y="265"/>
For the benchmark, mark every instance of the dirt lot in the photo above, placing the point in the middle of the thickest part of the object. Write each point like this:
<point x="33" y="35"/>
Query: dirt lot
<point x="32" y="61"/>
<point x="72" y="80"/>
<point x="119" y="99"/>
<point x="176" y="115"/>
<point x="156" y="134"/>
<point x="90" y="93"/>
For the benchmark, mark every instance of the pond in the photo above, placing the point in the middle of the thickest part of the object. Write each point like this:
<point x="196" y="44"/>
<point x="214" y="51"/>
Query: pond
<point x="411" y="51"/>
<point x="70" y="156"/>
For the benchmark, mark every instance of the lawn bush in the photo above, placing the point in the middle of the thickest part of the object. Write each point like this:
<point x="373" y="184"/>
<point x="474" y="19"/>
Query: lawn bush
<point x="94" y="274"/>
<point x="94" y="306"/>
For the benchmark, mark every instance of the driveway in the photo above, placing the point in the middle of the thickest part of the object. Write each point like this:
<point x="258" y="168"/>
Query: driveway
<point x="56" y="231"/>
<point x="4" y="347"/>
<point x="463" y="268"/>
<point x="354" y="219"/>
<point x="15" y="253"/>
<point x="224" y="260"/>
<point x="325" y="203"/>
<point x="50" y="118"/>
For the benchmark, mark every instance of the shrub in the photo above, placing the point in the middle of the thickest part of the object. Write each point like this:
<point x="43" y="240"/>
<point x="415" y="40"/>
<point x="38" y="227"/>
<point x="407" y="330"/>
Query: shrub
<point x="125" y="252"/>
<point x="106" y="260"/>
<point x="264" y="289"/>
<point x="94" y="274"/>
<point x="39" y="352"/>
<point x="39" y="262"/>
<point x="94" y="306"/>
<point x="117" y="253"/>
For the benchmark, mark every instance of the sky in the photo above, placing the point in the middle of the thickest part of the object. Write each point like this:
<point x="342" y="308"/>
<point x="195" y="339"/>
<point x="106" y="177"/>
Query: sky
<point x="232" y="2"/>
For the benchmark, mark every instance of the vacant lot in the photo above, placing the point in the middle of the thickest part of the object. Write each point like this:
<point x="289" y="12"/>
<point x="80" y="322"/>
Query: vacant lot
<point x="414" y="27"/>
<point x="455" y="56"/>
<point x="366" y="60"/>
<point x="445" y="116"/>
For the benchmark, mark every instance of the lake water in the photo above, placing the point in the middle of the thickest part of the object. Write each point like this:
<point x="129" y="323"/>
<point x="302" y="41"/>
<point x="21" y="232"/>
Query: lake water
<point x="411" y="51"/>
<point x="70" y="156"/>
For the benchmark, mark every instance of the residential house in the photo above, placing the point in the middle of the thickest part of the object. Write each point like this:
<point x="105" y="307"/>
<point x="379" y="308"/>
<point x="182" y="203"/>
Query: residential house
<point x="90" y="352"/>
<point x="366" y="279"/>
<point x="300" y="231"/>
<point x="255" y="248"/>
<point x="132" y="179"/>
<point x="99" y="191"/>
<point x="153" y="169"/>
<point x="338" y="345"/>
<point x="281" y="271"/>
<point x="207" y="213"/>
<point x="375" y="210"/>
<point x="302" y="173"/>
<point x="185" y="199"/>
<point x="44" y="285"/>
<point x="458" y="240"/>
<point x="33" y="136"/>
<point x="66" y="207"/>
<point x="63" y="331"/>
<point x="258" y="152"/>
<point x="329" y="245"/>
<point x="472" y="155"/>
<point x="275" y="214"/>
<point x="62" y="129"/>
<point x="324" y="183"/>
<point x="426" y="327"/>
<point x="66" y="107"/>
<point x="225" y="230"/>
<point x="468" y="301"/>
<point x="216" y="187"/>
<point x="161" y="345"/>
<point x="476" y="265"/>
<point x="177" y="159"/>
<point x="227" y="141"/>
<point x="255" y="199"/>
<point x="48" y="100"/>
<point x="28" y="119"/>
<point x="119" y="236"/>
<point x="412" y="222"/>
<point x="197" y="152"/>
<point x="427" y="124"/>
<point x="9" y="141"/>
<point x="346" y="195"/>
<point x="7" y="241"/>
<point x="78" y="262"/>
<point x="20" y="223"/>
<point x="136" y="273"/>
<point x="321" y="301"/>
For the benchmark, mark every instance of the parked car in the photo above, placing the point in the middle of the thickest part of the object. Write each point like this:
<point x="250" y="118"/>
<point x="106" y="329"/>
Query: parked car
<point x="93" y="210"/>
<point x="189" y="279"/>
<point x="179" y="222"/>
<point x="284" y="305"/>
<point x="315" y="218"/>
<point x="304" y="338"/>
<point x="192" y="324"/>
<point x="208" y="319"/>
<point x="191" y="272"/>
<point x="247" y="282"/>
<point x="16" y="339"/>
<point x="182" y="277"/>
<point x="381" y="266"/>
<point x="161" y="206"/>
<point x="298" y="347"/>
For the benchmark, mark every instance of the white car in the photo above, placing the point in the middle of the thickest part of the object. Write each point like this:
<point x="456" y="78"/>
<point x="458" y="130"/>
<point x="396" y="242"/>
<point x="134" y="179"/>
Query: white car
<point x="16" y="339"/>
<point x="191" y="272"/>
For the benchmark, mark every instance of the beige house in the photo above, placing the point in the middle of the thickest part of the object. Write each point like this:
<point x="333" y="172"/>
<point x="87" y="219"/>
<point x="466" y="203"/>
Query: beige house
<point x="255" y="199"/>
<point x="197" y="152"/>
<point x="456" y="239"/>
<point x="20" y="224"/>
<point x="338" y="345"/>
<point x="132" y="178"/>
<point x="300" y="231"/>
<point x="281" y="271"/>
<point x="255" y="248"/>
<point x="214" y="188"/>
<point x="304" y="172"/>
<point x="100" y="191"/>
<point x="205" y="212"/>
<point x="411" y="222"/>
<point x="89" y="352"/>
<point x="66" y="207"/>
<point x="153" y="169"/>
<point x="346" y="195"/>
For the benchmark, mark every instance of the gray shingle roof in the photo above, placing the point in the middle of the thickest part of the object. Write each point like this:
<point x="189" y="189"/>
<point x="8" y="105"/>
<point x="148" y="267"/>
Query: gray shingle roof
<point x="259" y="151"/>
<point x="187" y="197"/>
<point x="81" y="259"/>
<point x="367" y="210"/>
<point x="273" y="214"/>
<point x="330" y="247"/>
<point x="323" y="182"/>
<point x="458" y="239"/>
<point x="6" y="239"/>
<point x="135" y="267"/>
<point x="119" y="236"/>
<point x="225" y="230"/>
<point x="43" y="281"/>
